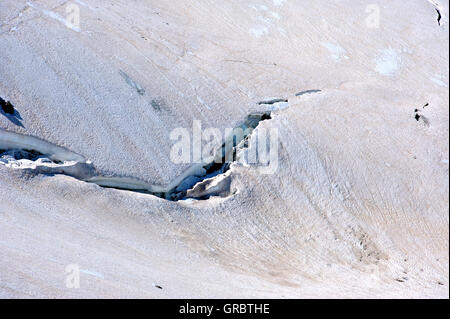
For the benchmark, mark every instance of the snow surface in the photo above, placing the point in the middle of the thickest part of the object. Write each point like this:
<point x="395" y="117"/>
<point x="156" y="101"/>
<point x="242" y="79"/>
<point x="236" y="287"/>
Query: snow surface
<point x="357" y="208"/>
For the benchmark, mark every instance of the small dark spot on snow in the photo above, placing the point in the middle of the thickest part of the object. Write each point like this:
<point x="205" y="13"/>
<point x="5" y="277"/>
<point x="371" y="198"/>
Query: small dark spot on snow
<point x="7" y="107"/>
<point x="419" y="116"/>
